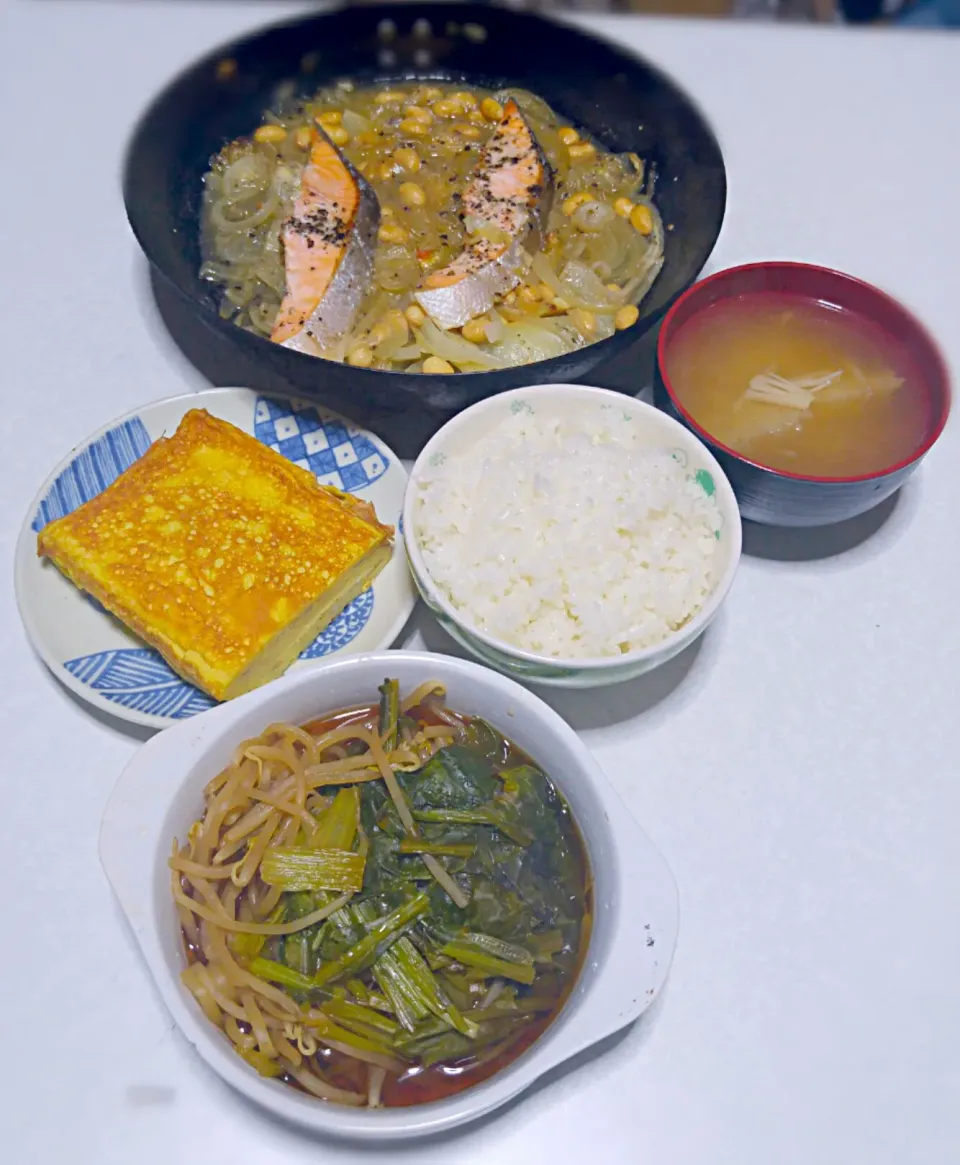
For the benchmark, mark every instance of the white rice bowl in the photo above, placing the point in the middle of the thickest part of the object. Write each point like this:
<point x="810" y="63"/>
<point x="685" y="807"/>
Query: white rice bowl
<point x="565" y="533"/>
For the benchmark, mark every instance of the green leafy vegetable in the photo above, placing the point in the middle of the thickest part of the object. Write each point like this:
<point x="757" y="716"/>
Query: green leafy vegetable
<point x="453" y="778"/>
<point x="389" y="713"/>
<point x="483" y="739"/>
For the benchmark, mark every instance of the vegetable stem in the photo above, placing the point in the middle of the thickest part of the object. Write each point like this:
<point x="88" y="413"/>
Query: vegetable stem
<point x="470" y="956"/>
<point x="348" y="1012"/>
<point x="408" y="967"/>
<point x="483" y="815"/>
<point x="337" y="824"/>
<point x="302" y="868"/>
<point x="452" y="850"/>
<point x="278" y="973"/>
<point x="381" y="934"/>
<point x="389" y="713"/>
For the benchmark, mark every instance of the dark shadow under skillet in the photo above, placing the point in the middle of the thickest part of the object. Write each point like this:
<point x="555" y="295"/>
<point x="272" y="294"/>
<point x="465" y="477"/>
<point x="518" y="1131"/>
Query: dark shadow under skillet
<point x="622" y="100"/>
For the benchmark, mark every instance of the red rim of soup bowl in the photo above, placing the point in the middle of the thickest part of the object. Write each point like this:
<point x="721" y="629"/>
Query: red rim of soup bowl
<point x="814" y="283"/>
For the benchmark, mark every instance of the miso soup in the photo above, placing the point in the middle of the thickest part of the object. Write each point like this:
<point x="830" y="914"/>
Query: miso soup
<point x="798" y="385"/>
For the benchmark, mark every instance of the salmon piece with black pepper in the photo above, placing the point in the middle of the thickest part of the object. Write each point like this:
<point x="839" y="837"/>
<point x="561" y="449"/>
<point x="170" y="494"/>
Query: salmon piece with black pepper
<point x="508" y="196"/>
<point x="329" y="242"/>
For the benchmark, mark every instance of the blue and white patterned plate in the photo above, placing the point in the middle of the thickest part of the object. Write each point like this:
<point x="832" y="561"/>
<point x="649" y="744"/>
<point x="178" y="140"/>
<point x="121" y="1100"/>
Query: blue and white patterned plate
<point x="94" y="655"/>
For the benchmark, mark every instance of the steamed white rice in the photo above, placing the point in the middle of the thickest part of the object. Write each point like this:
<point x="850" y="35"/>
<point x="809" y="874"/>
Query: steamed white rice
<point x="569" y="539"/>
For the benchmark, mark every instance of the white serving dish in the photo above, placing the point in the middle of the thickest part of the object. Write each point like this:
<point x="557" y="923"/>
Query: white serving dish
<point x="566" y="400"/>
<point x="159" y="795"/>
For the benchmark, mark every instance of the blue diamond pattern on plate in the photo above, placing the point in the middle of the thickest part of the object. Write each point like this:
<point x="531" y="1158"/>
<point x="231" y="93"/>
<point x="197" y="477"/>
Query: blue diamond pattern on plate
<point x="333" y="450"/>
<point x="93" y="469"/>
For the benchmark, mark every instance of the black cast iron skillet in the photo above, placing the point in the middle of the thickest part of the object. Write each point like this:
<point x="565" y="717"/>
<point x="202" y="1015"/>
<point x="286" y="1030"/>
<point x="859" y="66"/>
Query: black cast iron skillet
<point x="624" y="101"/>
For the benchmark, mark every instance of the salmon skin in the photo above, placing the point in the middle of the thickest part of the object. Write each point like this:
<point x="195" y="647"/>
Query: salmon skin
<point x="329" y="243"/>
<point x="508" y="196"/>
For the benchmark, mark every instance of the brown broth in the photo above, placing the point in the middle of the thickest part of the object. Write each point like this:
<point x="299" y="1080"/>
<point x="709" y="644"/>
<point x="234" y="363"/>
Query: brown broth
<point x="362" y="713"/>
<point x="447" y="1079"/>
<point x="870" y="417"/>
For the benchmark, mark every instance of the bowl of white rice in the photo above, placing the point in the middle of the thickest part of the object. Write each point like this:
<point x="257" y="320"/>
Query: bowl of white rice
<point x="570" y="535"/>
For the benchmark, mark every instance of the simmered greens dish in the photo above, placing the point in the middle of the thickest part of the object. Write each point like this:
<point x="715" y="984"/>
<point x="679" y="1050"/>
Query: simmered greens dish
<point x="426" y="227"/>
<point x="384" y="906"/>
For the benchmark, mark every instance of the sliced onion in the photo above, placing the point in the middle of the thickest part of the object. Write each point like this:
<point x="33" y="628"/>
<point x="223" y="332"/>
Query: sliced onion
<point x="546" y="274"/>
<point x="355" y="123"/>
<point x="215" y="272"/>
<point x="272" y="275"/>
<point x="336" y="351"/>
<point x="249" y="174"/>
<point x="494" y="326"/>
<point x="389" y="334"/>
<point x="648" y="269"/>
<point x="575" y="244"/>
<point x="481" y="228"/>
<point x="583" y="288"/>
<point x="607" y="172"/>
<point x="609" y="250"/>
<point x="397" y="269"/>
<point x="286" y="182"/>
<point x="376" y="306"/>
<point x="593" y="216"/>
<point x="527" y="341"/>
<point x="409" y="352"/>
<point x="262" y="316"/>
<point x="455" y="348"/>
<point x="240" y="294"/>
<point x="531" y="106"/>
<point x="604" y="329"/>
<point x="246" y="222"/>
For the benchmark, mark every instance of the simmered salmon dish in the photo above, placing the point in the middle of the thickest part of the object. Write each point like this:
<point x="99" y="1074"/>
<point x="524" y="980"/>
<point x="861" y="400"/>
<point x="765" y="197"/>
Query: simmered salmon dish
<point x="428" y="228"/>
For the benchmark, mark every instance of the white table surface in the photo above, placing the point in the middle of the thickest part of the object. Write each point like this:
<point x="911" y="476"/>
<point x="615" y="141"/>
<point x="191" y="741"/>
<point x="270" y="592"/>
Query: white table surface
<point x="800" y="770"/>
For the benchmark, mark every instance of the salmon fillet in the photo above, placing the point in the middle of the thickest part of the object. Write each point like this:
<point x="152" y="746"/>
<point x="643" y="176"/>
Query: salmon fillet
<point x="329" y="243"/>
<point x="508" y="195"/>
